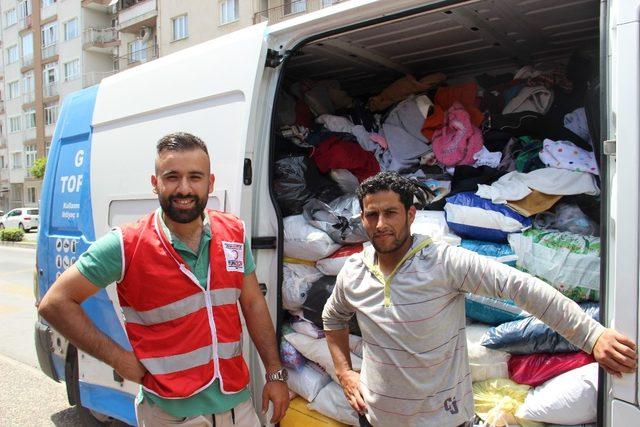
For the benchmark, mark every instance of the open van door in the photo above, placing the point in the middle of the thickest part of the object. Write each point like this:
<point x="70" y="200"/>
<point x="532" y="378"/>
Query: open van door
<point x="623" y="216"/>
<point x="106" y="139"/>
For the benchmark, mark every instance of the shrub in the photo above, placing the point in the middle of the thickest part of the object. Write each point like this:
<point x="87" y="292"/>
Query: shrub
<point x="11" y="235"/>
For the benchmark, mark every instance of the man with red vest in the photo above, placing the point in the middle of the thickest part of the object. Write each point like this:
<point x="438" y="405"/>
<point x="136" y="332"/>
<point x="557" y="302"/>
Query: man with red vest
<point x="180" y="272"/>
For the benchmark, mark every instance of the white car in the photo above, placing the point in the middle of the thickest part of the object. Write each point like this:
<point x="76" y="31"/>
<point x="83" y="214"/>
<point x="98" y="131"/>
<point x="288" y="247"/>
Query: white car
<point x="23" y="218"/>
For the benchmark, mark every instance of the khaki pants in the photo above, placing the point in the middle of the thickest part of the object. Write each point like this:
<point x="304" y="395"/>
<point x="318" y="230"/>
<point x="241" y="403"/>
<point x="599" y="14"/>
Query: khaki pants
<point x="243" y="415"/>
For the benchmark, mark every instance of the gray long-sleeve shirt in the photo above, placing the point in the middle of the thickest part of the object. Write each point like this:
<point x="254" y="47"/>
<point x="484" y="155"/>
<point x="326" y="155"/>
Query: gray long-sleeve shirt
<point x="415" y="369"/>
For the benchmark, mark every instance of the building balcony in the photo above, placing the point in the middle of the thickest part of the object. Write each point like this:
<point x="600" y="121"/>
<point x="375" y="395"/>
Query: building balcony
<point x="28" y="98"/>
<point x="95" y="3"/>
<point x="27" y="61"/>
<point x="290" y="9"/>
<point x="4" y="175"/>
<point x="50" y="90"/>
<point x="134" y="14"/>
<point x="49" y="51"/>
<point x="25" y="23"/>
<point x="137" y="57"/>
<point x="101" y="40"/>
<point x="95" y="77"/>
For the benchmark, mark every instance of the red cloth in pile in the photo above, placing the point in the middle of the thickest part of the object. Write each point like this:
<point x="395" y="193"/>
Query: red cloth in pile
<point x="336" y="153"/>
<point x="535" y="369"/>
<point x="445" y="97"/>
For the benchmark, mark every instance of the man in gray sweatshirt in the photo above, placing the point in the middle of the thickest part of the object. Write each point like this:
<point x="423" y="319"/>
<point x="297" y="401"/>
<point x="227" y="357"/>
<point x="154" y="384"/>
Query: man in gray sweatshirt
<point x="408" y="295"/>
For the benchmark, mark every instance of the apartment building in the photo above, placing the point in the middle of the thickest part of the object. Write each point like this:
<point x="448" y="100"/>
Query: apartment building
<point x="152" y="28"/>
<point x="49" y="48"/>
<point x="54" y="47"/>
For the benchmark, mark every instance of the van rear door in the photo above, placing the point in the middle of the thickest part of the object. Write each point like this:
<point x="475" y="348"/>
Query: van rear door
<point x="623" y="163"/>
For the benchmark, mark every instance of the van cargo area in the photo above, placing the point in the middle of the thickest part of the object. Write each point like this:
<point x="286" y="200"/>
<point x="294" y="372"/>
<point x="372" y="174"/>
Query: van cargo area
<point x="492" y="109"/>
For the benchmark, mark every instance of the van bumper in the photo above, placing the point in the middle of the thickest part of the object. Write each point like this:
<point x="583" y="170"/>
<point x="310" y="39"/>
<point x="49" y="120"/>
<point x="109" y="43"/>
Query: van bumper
<point x="44" y="350"/>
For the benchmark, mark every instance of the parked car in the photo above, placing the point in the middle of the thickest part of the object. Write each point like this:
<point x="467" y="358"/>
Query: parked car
<point x="25" y="219"/>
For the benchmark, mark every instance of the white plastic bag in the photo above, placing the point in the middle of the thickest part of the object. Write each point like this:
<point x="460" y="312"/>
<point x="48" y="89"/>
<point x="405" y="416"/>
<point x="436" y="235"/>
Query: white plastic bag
<point x="304" y="241"/>
<point x="485" y="363"/>
<point x="434" y="225"/>
<point x="308" y="381"/>
<point x="317" y="350"/>
<point x="570" y="398"/>
<point x="332" y="402"/>
<point x="332" y="265"/>
<point x="296" y="281"/>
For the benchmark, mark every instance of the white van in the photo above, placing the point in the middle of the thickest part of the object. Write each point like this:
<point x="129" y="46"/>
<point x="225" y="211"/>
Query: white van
<point x="226" y="90"/>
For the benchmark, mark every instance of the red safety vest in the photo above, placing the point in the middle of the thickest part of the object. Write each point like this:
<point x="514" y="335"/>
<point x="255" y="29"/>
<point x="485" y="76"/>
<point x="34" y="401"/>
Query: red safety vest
<point x="184" y="335"/>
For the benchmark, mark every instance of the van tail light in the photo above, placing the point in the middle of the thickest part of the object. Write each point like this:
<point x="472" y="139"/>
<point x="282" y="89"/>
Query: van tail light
<point x="27" y="218"/>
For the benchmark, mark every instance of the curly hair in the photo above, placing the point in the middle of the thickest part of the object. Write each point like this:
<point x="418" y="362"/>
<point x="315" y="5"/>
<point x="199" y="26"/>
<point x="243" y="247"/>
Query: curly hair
<point x="388" y="181"/>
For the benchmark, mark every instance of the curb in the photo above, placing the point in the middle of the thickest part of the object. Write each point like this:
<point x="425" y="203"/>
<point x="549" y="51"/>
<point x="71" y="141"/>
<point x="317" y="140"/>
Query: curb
<point x="28" y="245"/>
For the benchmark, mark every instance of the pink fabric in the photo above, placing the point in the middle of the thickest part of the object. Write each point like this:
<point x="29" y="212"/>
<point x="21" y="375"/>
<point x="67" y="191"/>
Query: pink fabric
<point x="458" y="139"/>
<point x="379" y="139"/>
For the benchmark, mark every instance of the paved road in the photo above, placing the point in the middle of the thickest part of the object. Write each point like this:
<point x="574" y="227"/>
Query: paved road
<point x="17" y="311"/>
<point x="28" y="397"/>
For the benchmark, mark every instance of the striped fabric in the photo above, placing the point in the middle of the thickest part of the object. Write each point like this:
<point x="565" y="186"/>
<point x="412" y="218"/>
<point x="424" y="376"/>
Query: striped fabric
<point x="415" y="370"/>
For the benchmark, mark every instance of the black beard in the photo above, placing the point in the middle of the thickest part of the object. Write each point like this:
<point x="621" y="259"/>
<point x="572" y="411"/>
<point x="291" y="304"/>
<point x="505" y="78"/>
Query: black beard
<point x="182" y="216"/>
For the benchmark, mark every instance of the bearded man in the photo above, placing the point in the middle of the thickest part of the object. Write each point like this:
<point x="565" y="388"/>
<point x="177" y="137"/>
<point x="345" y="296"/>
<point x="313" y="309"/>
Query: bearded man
<point x="180" y="273"/>
<point x="408" y="295"/>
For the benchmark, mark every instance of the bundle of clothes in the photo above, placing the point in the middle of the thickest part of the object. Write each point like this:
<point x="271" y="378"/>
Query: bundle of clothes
<point x="508" y="170"/>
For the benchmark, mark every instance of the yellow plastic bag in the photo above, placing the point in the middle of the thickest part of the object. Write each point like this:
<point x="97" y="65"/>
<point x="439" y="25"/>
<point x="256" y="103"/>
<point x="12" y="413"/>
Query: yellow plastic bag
<point x="497" y="401"/>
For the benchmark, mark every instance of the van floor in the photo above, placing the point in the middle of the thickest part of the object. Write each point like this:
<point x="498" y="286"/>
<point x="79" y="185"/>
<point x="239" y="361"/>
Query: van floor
<point x="497" y="46"/>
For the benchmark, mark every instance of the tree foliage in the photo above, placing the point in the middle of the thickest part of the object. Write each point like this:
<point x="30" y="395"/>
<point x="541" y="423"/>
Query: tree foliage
<point x="37" y="170"/>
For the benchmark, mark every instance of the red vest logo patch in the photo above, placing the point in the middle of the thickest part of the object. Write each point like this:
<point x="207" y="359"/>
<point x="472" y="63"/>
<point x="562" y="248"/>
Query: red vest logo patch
<point x="234" y="256"/>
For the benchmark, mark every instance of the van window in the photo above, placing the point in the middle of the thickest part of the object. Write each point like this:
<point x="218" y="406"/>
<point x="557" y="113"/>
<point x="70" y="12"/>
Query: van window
<point x="33" y="211"/>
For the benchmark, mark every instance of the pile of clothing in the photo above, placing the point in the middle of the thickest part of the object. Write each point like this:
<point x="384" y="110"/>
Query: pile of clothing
<point x="508" y="170"/>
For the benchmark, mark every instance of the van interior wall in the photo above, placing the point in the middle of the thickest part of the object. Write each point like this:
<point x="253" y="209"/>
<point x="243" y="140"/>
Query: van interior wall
<point x="531" y="65"/>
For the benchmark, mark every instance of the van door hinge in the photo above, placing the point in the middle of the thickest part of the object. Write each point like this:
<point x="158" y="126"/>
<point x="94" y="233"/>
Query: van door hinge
<point x="275" y="58"/>
<point x="609" y="147"/>
<point x="247" y="175"/>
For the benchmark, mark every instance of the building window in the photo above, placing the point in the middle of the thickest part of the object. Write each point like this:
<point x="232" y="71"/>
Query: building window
<point x="71" y="70"/>
<point x="10" y="18"/>
<point x="50" y="114"/>
<point x="31" y="195"/>
<point x="3" y="165"/>
<point x="47" y="146"/>
<point x="12" y="54"/>
<point x="137" y="51"/>
<point x="180" y="27"/>
<point x="27" y="49"/>
<point x="294" y="6"/>
<point x="28" y="85"/>
<point x="24" y="9"/>
<point x="228" y="11"/>
<point x="46" y="3"/>
<point x="14" y="124"/>
<point x="29" y="120"/>
<point x="71" y="29"/>
<point x="49" y="74"/>
<point x="49" y="34"/>
<point x="16" y="160"/>
<point x="13" y="89"/>
<point x="30" y="153"/>
<point x="327" y="3"/>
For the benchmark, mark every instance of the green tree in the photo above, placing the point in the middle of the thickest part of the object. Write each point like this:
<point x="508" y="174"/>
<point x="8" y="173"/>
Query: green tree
<point x="37" y="170"/>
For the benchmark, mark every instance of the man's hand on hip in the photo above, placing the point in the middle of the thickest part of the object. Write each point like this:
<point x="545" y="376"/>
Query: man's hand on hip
<point x="278" y="393"/>
<point x="129" y="367"/>
<point x="350" y="382"/>
<point x="615" y="353"/>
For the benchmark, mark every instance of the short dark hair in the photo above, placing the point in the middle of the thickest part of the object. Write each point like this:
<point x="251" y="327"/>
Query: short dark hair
<point x="388" y="181"/>
<point x="181" y="141"/>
